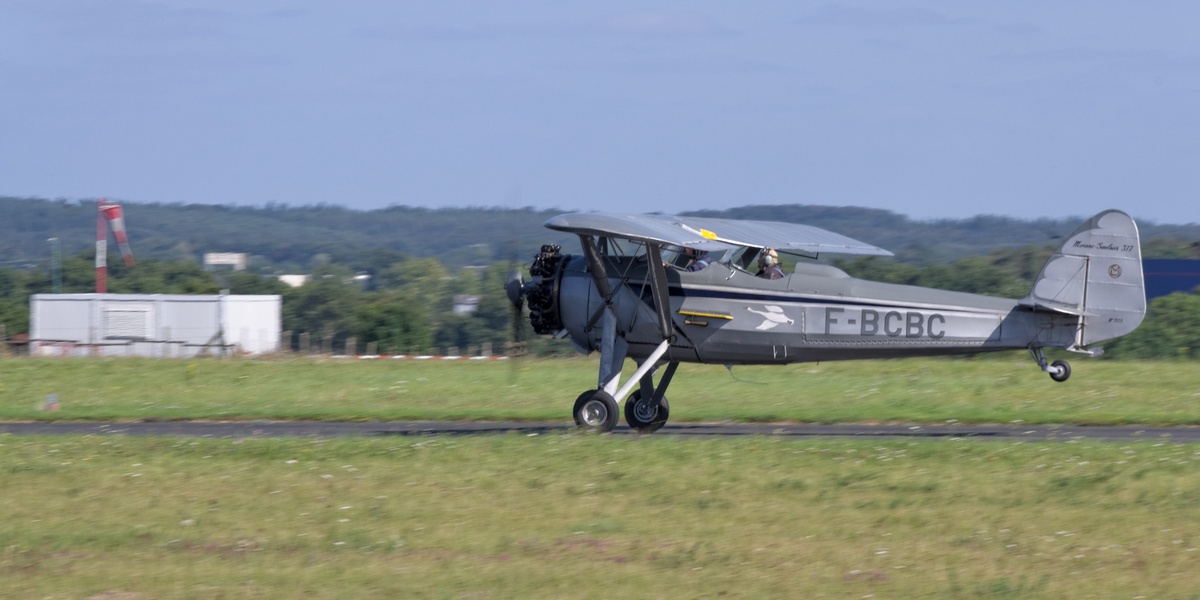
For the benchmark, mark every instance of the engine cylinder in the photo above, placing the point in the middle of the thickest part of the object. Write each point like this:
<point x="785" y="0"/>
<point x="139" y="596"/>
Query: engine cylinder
<point x="542" y="292"/>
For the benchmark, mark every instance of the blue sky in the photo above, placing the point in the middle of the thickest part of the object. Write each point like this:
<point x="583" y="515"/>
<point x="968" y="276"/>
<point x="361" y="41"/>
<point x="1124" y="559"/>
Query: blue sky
<point x="930" y="109"/>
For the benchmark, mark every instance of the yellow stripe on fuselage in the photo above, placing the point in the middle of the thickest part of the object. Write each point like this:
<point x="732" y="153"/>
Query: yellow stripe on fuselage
<point x="692" y="313"/>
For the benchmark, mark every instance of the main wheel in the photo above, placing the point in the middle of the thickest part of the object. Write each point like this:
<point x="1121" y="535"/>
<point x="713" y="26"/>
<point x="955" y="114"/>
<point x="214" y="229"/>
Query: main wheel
<point x="1060" y="370"/>
<point x="643" y="416"/>
<point x="596" y="411"/>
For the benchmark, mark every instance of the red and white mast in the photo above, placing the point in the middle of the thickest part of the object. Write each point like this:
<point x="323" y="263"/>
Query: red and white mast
<point x="109" y="213"/>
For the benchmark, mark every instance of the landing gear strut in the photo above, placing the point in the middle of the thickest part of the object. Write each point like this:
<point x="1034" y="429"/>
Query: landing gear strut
<point x="646" y="409"/>
<point x="1059" y="370"/>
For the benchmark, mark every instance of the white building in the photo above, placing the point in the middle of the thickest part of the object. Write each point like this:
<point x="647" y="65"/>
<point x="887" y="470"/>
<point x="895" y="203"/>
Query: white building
<point x="156" y="325"/>
<point x="466" y="304"/>
<point x="237" y="260"/>
<point x="294" y="280"/>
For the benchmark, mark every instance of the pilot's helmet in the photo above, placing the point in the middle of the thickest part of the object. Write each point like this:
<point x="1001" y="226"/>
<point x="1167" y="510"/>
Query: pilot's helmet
<point x="768" y="257"/>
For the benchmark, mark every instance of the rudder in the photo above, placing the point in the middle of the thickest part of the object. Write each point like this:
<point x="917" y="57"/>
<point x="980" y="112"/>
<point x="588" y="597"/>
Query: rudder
<point x="1097" y="275"/>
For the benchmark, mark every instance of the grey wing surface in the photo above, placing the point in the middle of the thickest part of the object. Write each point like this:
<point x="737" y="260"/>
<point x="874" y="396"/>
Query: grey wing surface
<point x="700" y="232"/>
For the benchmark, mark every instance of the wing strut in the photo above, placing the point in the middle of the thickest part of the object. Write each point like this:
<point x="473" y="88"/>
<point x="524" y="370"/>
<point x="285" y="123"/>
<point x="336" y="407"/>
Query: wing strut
<point x="658" y="286"/>
<point x="596" y="266"/>
<point x="613" y="348"/>
<point x="600" y="277"/>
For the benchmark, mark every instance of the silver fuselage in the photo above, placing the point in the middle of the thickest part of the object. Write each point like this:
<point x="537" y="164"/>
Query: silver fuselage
<point x="724" y="314"/>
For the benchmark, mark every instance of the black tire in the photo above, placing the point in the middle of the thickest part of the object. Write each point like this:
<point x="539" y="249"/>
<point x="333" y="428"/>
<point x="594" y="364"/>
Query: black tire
<point x="1061" y="372"/>
<point x="643" y="417"/>
<point x="596" y="411"/>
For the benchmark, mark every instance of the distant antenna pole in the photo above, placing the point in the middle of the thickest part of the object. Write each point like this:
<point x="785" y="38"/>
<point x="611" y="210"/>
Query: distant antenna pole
<point x="101" y="248"/>
<point x="55" y="266"/>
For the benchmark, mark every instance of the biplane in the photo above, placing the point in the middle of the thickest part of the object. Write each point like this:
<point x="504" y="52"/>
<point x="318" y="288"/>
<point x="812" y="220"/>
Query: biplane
<point x="628" y="294"/>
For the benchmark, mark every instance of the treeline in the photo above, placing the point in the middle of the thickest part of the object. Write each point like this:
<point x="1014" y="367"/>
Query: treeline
<point x="278" y="238"/>
<point x="410" y="309"/>
<point x="291" y="239"/>
<point x="408" y="305"/>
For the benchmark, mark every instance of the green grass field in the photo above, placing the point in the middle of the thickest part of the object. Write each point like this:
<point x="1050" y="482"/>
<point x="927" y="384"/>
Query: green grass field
<point x="571" y="515"/>
<point x="996" y="389"/>
<point x="584" y="516"/>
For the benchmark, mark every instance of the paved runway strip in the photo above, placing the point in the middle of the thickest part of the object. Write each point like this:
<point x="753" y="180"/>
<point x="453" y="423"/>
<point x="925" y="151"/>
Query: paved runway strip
<point x="243" y="429"/>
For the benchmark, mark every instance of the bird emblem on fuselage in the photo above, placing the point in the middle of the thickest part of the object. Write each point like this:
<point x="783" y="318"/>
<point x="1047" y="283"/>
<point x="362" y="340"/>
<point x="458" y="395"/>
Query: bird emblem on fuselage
<point x="773" y="317"/>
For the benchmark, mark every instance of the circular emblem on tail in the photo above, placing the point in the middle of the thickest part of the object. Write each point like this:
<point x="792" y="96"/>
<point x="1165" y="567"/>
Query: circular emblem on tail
<point x="1114" y="271"/>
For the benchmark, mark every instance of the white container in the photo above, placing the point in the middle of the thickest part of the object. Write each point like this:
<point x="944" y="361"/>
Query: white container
<point x="154" y="325"/>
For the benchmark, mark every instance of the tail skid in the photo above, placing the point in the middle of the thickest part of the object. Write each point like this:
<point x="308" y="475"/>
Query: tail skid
<point x="1095" y="275"/>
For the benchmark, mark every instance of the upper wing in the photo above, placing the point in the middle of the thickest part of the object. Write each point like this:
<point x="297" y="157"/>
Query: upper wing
<point x="704" y="232"/>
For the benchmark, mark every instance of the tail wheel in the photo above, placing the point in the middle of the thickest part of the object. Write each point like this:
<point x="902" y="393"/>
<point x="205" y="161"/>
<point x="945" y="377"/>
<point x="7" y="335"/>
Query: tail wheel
<point x="1060" y="370"/>
<point x="645" y="416"/>
<point x="596" y="411"/>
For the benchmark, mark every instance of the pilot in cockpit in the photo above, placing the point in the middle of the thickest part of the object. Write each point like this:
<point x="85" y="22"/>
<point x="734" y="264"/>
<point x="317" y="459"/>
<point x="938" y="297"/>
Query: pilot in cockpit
<point x="698" y="260"/>
<point x="768" y="264"/>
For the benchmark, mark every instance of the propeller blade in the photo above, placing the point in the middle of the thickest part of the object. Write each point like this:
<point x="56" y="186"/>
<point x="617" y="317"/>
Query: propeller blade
<point x="516" y="346"/>
<point x="514" y="287"/>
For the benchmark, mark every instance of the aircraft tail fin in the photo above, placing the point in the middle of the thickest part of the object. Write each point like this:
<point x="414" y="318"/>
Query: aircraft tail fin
<point x="1096" y="275"/>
